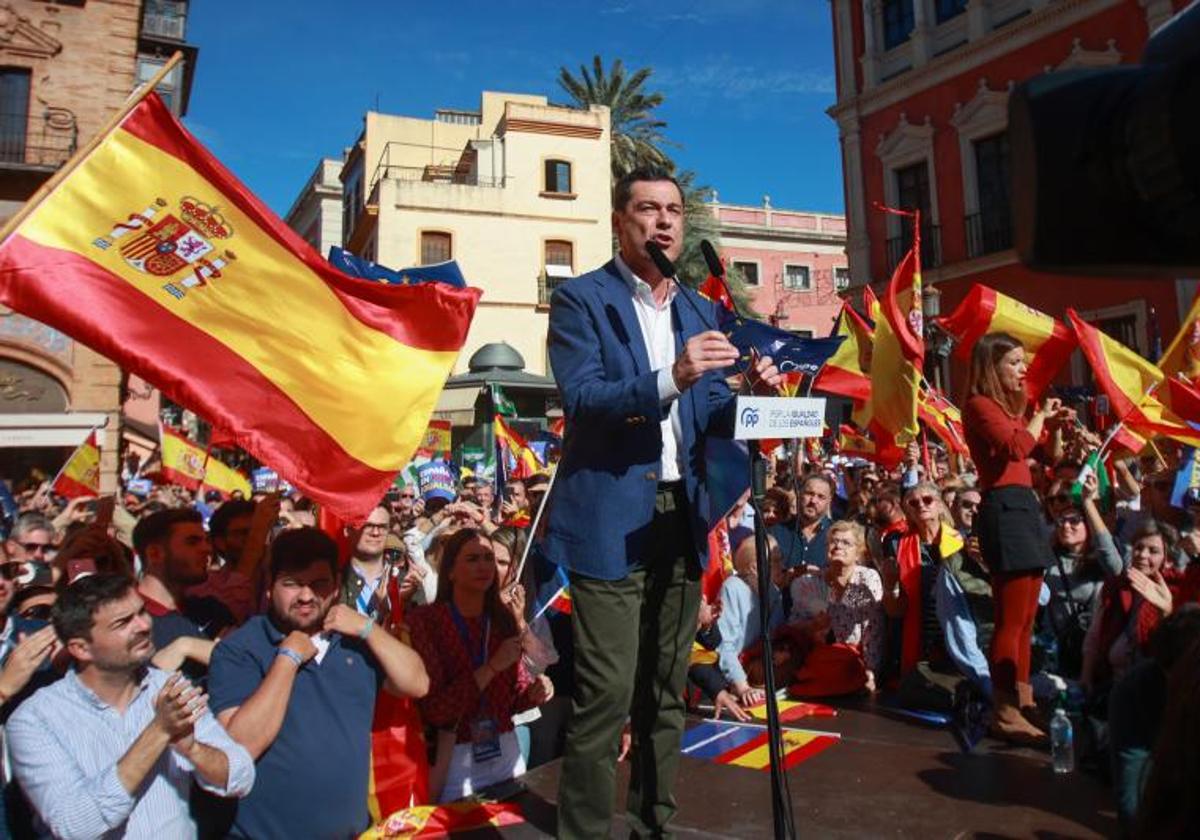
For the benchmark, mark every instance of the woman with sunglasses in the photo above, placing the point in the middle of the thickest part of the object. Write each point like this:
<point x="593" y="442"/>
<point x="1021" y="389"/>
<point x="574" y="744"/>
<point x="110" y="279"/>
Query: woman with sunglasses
<point x="912" y="560"/>
<point x="1085" y="556"/>
<point x="1003" y="435"/>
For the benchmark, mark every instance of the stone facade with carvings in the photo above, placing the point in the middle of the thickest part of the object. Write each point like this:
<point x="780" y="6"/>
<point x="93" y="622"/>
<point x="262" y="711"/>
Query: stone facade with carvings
<point x="66" y="67"/>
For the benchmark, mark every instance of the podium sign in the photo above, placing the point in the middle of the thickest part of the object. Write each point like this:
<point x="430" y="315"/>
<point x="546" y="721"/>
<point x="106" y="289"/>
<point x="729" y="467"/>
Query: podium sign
<point x="779" y="418"/>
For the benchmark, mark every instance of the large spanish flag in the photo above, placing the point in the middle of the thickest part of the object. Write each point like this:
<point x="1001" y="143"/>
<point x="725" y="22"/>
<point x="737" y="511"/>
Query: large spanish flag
<point x="847" y="373"/>
<point x="1047" y="341"/>
<point x="1131" y="383"/>
<point x="899" y="352"/>
<point x="154" y="254"/>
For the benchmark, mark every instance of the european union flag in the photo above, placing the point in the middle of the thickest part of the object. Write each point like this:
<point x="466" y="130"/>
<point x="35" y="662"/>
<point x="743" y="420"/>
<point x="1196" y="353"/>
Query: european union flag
<point x="356" y="266"/>
<point x="791" y="353"/>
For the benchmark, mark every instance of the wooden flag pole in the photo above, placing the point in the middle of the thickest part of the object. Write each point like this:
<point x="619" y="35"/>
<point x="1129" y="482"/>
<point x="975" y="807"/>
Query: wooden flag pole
<point x="81" y="154"/>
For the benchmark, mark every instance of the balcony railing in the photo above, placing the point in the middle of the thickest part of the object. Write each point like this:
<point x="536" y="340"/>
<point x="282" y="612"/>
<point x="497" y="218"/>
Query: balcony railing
<point x="438" y="175"/>
<point x="931" y="247"/>
<point x="44" y="141"/>
<point x="988" y="233"/>
<point x="547" y="285"/>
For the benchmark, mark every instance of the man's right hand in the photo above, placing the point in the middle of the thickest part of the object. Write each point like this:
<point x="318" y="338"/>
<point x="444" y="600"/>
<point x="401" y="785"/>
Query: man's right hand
<point x="706" y="351"/>
<point x="300" y="643"/>
<point x="178" y="706"/>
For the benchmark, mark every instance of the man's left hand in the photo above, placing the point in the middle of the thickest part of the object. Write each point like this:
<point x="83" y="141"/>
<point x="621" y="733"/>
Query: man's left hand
<point x="766" y="379"/>
<point x="345" y="620"/>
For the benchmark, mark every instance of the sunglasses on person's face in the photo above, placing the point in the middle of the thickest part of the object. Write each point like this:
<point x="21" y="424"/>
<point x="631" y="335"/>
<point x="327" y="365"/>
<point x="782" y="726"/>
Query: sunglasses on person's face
<point x="1070" y="519"/>
<point x="916" y="502"/>
<point x="38" y="612"/>
<point x="36" y="548"/>
<point x="968" y="505"/>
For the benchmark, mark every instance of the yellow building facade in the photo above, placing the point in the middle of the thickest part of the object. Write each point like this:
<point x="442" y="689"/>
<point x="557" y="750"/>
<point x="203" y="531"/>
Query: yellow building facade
<point x="518" y="193"/>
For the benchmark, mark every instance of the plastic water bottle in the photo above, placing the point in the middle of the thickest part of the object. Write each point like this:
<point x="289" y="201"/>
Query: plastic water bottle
<point x="1062" y="742"/>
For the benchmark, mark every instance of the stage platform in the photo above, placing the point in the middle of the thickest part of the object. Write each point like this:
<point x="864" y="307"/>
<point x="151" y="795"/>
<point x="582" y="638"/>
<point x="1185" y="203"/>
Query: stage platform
<point x="887" y="777"/>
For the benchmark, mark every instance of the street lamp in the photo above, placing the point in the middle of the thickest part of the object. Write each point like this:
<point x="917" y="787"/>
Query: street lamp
<point x="937" y="342"/>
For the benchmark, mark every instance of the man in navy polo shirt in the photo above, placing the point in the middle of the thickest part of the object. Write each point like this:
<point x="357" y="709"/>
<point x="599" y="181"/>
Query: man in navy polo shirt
<point x="297" y="689"/>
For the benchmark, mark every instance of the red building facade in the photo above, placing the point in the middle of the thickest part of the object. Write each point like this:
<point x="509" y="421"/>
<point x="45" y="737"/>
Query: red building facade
<point x="922" y="105"/>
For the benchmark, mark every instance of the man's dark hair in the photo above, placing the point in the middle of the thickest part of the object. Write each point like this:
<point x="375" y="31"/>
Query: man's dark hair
<point x="624" y="188"/>
<point x="156" y="528"/>
<point x="218" y="523"/>
<point x="300" y="548"/>
<point x="74" y="612"/>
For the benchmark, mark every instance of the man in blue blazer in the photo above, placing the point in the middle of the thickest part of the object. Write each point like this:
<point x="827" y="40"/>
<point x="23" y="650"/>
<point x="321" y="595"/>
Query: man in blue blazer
<point x="638" y="361"/>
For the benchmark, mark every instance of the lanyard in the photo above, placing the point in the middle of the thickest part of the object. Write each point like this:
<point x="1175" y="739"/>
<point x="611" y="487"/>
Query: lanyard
<point x="477" y="658"/>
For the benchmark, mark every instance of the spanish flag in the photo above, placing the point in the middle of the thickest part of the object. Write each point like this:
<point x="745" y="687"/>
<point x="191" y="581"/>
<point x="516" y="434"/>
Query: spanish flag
<point x="871" y="305"/>
<point x="1182" y="357"/>
<point x="847" y="373"/>
<point x="80" y="476"/>
<point x="521" y="460"/>
<point x="1047" y="341"/>
<point x="189" y="465"/>
<point x="899" y="352"/>
<point x="150" y="251"/>
<point x="853" y="442"/>
<point x="1131" y="383"/>
<point x="943" y="418"/>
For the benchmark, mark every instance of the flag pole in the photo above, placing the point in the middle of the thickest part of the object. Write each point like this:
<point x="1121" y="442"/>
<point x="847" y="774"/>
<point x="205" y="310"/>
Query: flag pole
<point x="537" y="518"/>
<point x="82" y="153"/>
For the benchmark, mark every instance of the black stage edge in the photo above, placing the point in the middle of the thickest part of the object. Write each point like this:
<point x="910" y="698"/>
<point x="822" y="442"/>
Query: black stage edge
<point x="888" y="777"/>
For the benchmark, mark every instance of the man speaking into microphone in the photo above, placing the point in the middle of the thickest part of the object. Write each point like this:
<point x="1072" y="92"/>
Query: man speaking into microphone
<point x="639" y="364"/>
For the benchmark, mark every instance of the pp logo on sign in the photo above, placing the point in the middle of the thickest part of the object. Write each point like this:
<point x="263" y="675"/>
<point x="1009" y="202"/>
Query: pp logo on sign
<point x="749" y="417"/>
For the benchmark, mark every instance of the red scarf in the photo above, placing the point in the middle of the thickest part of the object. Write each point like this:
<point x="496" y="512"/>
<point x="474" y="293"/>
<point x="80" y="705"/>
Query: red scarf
<point x="908" y="557"/>
<point x="1119" y="609"/>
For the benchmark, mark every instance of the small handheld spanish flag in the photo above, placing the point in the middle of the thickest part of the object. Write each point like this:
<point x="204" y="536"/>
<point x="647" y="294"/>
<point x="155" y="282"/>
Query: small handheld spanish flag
<point x="80" y="476"/>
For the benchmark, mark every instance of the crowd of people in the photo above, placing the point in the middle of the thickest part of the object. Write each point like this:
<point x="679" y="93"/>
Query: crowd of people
<point x="176" y="664"/>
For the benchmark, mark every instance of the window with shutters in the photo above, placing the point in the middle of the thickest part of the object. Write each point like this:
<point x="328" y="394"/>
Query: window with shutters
<point x="435" y="247"/>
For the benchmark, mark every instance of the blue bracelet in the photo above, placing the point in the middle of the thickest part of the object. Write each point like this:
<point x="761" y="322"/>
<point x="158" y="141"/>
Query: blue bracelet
<point x="292" y="655"/>
<point x="367" y="628"/>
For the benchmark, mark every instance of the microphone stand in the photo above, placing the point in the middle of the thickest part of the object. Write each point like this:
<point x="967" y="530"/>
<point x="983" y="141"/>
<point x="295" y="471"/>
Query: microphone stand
<point x="781" y="804"/>
<point x="781" y="801"/>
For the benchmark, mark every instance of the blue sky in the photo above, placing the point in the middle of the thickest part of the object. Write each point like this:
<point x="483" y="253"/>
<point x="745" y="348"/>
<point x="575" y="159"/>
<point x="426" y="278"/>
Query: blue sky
<point x="281" y="84"/>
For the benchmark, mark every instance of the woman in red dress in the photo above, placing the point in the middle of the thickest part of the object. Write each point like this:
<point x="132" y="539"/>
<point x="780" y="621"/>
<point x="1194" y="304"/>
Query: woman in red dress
<point x="1003" y="436"/>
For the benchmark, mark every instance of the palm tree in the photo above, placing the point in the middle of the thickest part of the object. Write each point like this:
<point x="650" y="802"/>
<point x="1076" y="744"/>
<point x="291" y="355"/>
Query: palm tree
<point x="636" y="134"/>
<point x="636" y="142"/>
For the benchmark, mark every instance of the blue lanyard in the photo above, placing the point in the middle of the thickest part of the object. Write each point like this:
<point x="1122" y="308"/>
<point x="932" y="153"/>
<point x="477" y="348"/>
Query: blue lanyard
<point x="477" y="658"/>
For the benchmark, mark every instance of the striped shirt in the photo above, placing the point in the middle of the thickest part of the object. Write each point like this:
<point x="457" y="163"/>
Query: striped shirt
<point x="66" y="742"/>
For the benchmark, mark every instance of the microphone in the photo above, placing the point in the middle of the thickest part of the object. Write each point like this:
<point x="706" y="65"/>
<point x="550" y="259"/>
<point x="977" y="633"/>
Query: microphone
<point x="715" y="268"/>
<point x="660" y="259"/>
